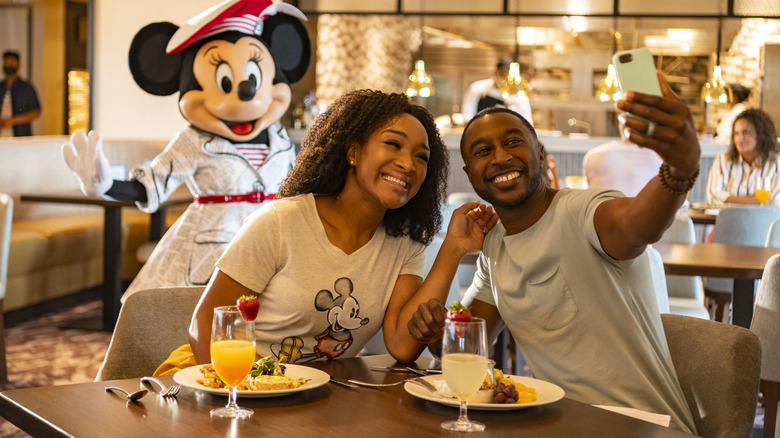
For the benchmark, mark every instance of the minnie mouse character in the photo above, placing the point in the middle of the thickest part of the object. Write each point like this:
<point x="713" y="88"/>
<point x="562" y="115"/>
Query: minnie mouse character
<point x="232" y="66"/>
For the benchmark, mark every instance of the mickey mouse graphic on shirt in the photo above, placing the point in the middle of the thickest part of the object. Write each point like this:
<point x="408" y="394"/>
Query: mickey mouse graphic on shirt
<point x="232" y="66"/>
<point x="343" y="316"/>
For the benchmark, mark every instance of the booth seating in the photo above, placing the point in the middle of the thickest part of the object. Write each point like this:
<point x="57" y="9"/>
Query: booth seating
<point x="57" y="249"/>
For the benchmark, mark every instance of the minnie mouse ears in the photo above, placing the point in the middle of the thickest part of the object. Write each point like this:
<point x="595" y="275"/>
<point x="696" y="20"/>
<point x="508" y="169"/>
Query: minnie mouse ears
<point x="246" y="16"/>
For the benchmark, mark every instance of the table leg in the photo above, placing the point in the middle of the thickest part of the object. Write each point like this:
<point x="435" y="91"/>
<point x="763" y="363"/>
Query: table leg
<point x="742" y="302"/>
<point x="112" y="269"/>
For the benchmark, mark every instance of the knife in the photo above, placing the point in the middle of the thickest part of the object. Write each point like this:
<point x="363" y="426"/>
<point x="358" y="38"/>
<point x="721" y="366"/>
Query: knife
<point x="404" y="370"/>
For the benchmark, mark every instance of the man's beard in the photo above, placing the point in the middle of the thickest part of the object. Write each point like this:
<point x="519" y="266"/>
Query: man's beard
<point x="534" y="183"/>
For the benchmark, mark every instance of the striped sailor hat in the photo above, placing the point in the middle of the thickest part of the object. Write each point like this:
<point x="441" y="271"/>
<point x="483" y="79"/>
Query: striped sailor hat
<point x="244" y="16"/>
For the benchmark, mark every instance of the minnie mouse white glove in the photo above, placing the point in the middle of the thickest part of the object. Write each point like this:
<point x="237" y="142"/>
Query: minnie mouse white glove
<point x="84" y="155"/>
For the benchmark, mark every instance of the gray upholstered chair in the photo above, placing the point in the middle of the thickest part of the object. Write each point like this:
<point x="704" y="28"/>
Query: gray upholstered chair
<point x="766" y="324"/>
<point x="151" y="324"/>
<point x="686" y="292"/>
<point x="773" y="236"/>
<point x="718" y="368"/>
<point x="6" y="218"/>
<point x="747" y="226"/>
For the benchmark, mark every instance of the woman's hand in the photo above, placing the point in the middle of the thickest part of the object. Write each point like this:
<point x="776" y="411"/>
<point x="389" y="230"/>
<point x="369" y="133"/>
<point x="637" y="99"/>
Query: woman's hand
<point x="469" y="224"/>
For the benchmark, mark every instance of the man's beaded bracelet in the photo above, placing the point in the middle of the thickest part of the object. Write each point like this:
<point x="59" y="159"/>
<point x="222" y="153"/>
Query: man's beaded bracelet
<point x="676" y="186"/>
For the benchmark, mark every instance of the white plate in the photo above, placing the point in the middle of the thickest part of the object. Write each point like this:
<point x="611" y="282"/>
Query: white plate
<point x="188" y="376"/>
<point x="545" y="393"/>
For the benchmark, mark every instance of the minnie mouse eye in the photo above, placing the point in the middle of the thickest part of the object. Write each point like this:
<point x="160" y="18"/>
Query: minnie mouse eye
<point x="224" y="77"/>
<point x="253" y="74"/>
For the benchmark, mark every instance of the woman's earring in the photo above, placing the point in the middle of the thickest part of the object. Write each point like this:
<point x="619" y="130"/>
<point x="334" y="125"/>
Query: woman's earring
<point x="351" y="162"/>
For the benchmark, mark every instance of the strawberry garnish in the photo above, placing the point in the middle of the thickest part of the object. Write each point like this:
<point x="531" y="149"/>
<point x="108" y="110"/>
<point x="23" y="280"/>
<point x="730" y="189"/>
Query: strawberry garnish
<point x="248" y="306"/>
<point x="458" y="312"/>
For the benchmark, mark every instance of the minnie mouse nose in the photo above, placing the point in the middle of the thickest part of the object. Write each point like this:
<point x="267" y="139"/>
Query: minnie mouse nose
<point x="246" y="90"/>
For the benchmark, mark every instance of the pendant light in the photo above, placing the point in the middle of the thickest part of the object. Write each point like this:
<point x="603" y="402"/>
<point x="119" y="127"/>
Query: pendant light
<point x="514" y="84"/>
<point x="420" y="83"/>
<point x="608" y="89"/>
<point x="716" y="90"/>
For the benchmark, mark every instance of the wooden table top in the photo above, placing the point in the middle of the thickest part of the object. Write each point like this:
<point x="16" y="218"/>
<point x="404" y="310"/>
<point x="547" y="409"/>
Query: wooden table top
<point x="698" y="216"/>
<point x="86" y="410"/>
<point x="76" y="197"/>
<point x="715" y="259"/>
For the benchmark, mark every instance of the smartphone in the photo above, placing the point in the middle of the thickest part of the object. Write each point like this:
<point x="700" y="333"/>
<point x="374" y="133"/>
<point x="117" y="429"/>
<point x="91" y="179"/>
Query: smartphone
<point x="635" y="71"/>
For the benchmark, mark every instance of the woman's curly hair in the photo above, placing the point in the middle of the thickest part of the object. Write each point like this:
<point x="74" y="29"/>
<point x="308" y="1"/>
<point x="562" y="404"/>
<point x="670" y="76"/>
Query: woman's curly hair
<point x="321" y="167"/>
<point x="766" y="136"/>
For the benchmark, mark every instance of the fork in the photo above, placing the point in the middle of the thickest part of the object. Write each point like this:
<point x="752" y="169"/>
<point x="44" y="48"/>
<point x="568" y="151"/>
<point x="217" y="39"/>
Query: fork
<point x="422" y="382"/>
<point x="164" y="392"/>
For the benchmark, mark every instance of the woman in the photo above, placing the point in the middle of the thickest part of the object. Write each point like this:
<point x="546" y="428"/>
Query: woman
<point x="754" y="154"/>
<point x="342" y="253"/>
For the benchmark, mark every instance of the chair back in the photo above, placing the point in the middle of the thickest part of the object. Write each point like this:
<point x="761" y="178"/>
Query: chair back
<point x="766" y="319"/>
<point x="748" y="226"/>
<point x="659" y="279"/>
<point x="683" y="286"/>
<point x="718" y="368"/>
<point x="6" y="218"/>
<point x="773" y="236"/>
<point x="151" y="324"/>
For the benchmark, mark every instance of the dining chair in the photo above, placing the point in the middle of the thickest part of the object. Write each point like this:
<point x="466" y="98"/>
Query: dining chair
<point x="151" y="324"/>
<point x="773" y="236"/>
<point x="766" y="325"/>
<point x="6" y="218"/>
<point x="748" y="226"/>
<point x="686" y="292"/>
<point x="718" y="379"/>
<point x="659" y="278"/>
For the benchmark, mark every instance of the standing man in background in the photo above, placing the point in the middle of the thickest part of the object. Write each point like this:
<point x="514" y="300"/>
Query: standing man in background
<point x="485" y="94"/>
<point x="20" y="104"/>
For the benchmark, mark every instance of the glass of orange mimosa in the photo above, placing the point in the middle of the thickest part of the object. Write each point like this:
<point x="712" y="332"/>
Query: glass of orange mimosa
<point x="763" y="189"/>
<point x="232" y="354"/>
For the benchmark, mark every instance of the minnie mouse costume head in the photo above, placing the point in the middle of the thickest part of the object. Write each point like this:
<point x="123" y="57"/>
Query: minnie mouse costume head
<point x="232" y="65"/>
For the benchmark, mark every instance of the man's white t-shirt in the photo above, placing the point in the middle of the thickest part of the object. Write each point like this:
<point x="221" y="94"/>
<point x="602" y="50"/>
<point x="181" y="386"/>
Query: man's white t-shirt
<point x="315" y="300"/>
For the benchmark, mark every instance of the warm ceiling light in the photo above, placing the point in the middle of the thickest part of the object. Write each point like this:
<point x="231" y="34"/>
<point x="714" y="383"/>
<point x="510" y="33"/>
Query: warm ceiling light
<point x="608" y="89"/>
<point x="419" y="83"/>
<point x="716" y="90"/>
<point x="514" y="84"/>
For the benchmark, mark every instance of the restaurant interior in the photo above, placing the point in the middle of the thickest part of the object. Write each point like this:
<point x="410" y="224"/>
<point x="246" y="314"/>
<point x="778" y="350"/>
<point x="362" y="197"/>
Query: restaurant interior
<point x="58" y="253"/>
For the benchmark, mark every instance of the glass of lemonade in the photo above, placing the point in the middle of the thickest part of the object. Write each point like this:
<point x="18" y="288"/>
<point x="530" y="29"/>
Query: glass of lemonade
<point x="464" y="358"/>
<point x="763" y="189"/>
<point x="232" y="354"/>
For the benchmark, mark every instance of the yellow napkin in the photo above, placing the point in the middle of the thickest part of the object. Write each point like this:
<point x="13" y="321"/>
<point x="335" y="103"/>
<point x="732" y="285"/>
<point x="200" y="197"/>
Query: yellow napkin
<point x="180" y="358"/>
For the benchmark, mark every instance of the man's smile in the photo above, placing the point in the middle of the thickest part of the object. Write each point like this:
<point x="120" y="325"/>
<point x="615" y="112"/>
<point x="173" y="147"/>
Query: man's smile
<point x="506" y="177"/>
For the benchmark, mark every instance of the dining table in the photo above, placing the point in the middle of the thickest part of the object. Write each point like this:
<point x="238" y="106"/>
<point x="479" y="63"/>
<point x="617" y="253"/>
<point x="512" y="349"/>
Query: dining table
<point x="112" y="289"/>
<point x="87" y="410"/>
<point x="745" y="264"/>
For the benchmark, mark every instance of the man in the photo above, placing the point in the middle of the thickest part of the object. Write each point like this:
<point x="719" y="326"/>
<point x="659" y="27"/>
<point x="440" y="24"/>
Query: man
<point x="566" y="270"/>
<point x="485" y="94"/>
<point x="620" y="165"/>
<point x="20" y="104"/>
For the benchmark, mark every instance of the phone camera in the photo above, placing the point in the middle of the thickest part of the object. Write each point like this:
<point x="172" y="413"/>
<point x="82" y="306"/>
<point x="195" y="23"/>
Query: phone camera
<point x="626" y="58"/>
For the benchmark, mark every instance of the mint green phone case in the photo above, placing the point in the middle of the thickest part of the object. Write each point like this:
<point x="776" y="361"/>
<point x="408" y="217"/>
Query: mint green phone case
<point x="635" y="71"/>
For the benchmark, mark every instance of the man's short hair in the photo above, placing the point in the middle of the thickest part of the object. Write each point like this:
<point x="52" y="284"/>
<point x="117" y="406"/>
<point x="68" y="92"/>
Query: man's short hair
<point x="491" y="110"/>
<point x="11" y="54"/>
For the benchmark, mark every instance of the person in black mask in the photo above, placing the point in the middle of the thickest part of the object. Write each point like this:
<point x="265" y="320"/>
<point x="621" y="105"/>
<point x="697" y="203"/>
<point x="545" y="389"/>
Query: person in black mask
<point x="19" y="102"/>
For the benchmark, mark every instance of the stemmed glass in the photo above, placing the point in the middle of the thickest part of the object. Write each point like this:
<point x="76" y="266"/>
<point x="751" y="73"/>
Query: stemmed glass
<point x="763" y="189"/>
<point x="232" y="354"/>
<point x="464" y="357"/>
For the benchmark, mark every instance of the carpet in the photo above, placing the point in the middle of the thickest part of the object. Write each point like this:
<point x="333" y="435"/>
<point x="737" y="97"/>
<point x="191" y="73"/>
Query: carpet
<point x="39" y="353"/>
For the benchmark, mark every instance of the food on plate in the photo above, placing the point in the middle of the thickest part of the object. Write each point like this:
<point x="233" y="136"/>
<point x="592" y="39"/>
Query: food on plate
<point x="503" y="391"/>
<point x="267" y="374"/>
<point x="248" y="306"/>
<point x="508" y="391"/>
<point x="459" y="312"/>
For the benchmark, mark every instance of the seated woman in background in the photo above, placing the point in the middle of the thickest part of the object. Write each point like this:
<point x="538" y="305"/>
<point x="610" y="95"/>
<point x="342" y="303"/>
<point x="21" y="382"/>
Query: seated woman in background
<point x="342" y="253"/>
<point x="754" y="155"/>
